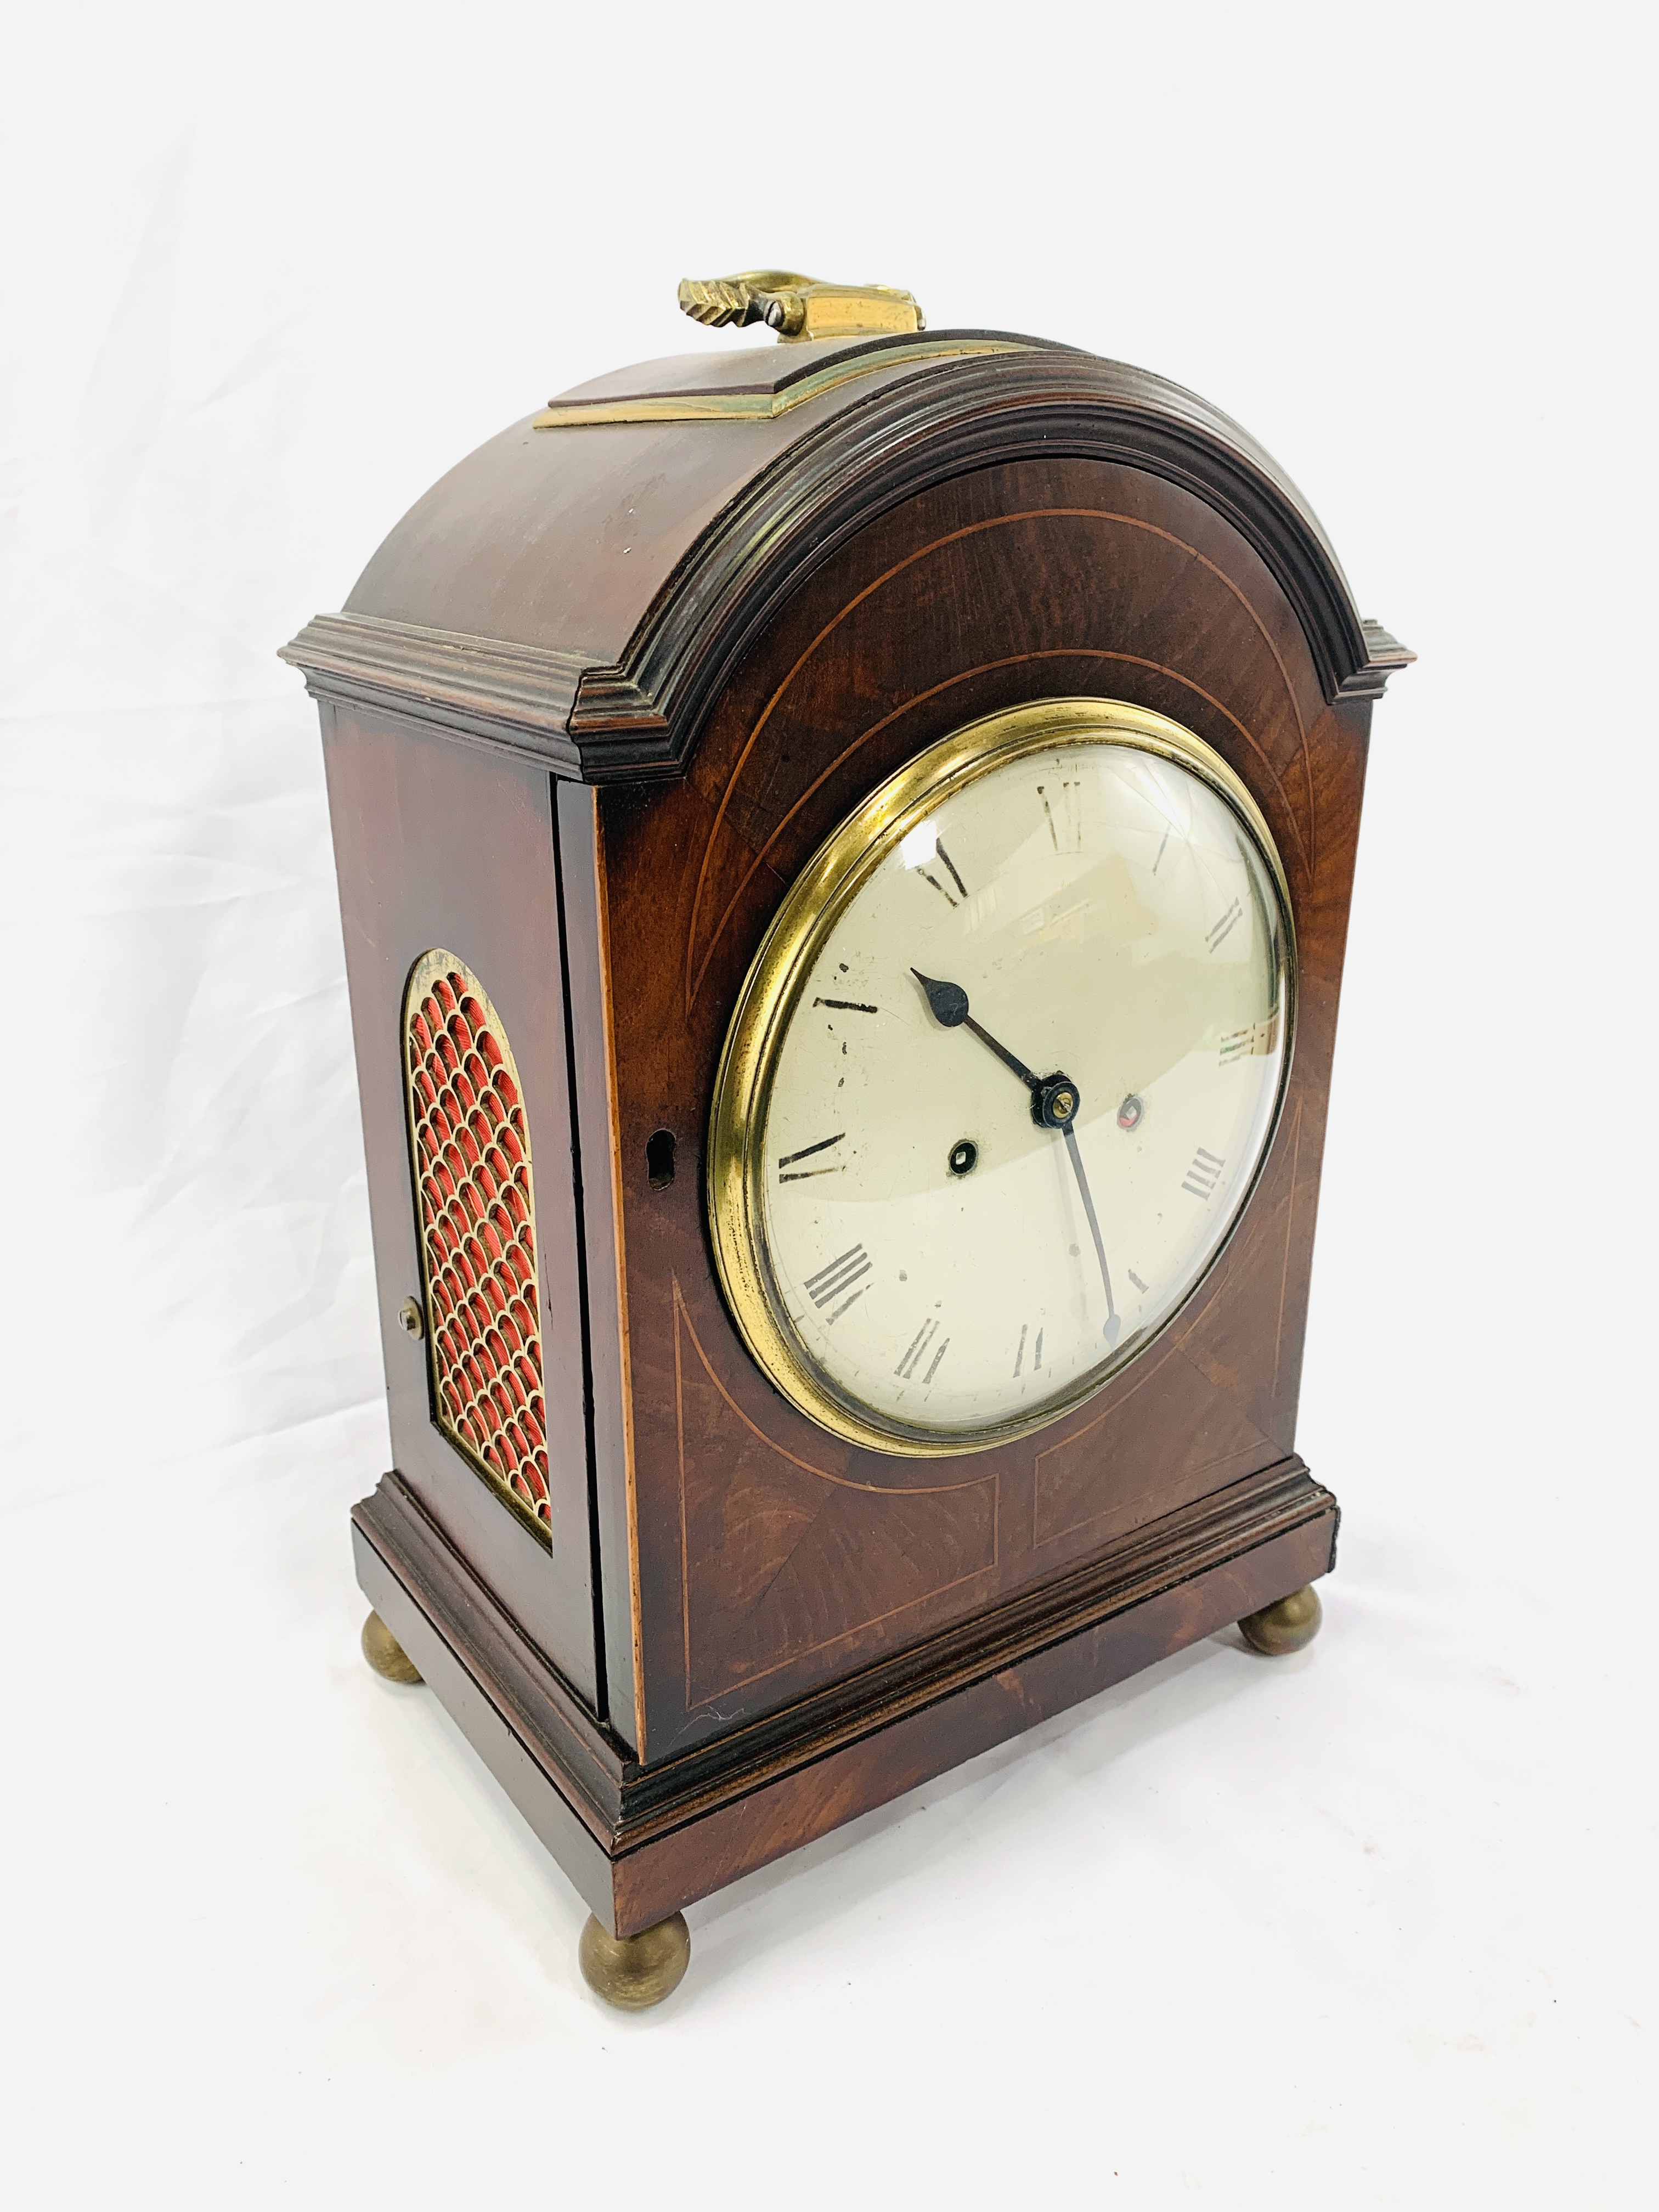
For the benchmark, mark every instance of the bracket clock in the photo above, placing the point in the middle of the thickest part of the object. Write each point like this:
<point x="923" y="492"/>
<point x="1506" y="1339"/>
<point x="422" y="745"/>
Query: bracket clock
<point x="845" y="848"/>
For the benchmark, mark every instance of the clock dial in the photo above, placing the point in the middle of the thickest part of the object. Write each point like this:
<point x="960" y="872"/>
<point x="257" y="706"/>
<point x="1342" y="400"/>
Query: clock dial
<point x="1002" y="1077"/>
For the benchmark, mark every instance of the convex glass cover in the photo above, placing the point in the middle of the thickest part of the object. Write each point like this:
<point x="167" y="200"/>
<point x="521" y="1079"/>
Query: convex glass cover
<point x="1001" y="1076"/>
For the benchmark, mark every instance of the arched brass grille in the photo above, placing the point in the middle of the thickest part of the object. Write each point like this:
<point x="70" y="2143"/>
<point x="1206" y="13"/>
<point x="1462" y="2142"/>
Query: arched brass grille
<point x="470" y="1146"/>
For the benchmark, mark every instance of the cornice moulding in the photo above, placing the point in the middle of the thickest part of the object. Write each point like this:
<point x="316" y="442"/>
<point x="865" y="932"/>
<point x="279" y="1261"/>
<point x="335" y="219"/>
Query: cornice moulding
<point x="638" y="718"/>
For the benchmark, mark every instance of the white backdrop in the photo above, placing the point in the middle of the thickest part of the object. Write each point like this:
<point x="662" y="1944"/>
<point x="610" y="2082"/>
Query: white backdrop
<point x="1375" y="1921"/>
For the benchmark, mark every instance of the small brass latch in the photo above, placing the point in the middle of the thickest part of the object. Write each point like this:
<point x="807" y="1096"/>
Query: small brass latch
<point x="797" y="307"/>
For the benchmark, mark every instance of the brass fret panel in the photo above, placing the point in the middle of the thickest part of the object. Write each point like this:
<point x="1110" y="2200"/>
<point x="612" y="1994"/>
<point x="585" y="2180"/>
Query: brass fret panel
<point x="469" y="1143"/>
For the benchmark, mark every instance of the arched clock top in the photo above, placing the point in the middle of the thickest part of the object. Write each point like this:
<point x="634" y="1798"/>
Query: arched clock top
<point x="578" y="590"/>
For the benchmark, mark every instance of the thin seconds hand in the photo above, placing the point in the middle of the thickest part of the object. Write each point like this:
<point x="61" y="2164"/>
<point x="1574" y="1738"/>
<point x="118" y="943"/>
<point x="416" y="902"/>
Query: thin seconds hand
<point x="1112" y="1324"/>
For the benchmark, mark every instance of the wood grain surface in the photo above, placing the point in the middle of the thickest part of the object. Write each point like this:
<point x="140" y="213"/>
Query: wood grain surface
<point x="749" y="1630"/>
<point x="580" y="596"/>
<point x="639" y="1842"/>
<point x="770" y="1555"/>
<point x="441" y="846"/>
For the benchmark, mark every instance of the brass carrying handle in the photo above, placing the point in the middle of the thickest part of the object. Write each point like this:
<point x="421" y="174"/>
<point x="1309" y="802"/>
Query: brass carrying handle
<point x="797" y="307"/>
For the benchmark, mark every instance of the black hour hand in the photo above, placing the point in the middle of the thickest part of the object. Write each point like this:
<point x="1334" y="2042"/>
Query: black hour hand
<point x="948" y="1004"/>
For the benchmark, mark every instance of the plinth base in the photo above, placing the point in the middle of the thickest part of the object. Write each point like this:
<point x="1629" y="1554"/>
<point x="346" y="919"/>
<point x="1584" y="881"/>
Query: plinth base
<point x="639" y="1843"/>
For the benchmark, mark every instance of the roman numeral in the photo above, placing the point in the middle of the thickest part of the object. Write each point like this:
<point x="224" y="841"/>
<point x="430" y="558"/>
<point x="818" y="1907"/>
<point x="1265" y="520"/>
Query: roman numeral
<point x="912" y="1355"/>
<point x="828" y="1283"/>
<point x="1067" y="832"/>
<point x="1204" y="1174"/>
<point x="848" y="1006"/>
<point x="801" y="1175"/>
<point x="938" y="854"/>
<point x="1218" y="931"/>
<point x="1037" y="1350"/>
<point x="1258" y="1037"/>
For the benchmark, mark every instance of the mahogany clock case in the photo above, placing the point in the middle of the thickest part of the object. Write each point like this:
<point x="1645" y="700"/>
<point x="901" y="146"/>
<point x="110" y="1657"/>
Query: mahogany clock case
<point x="589" y="711"/>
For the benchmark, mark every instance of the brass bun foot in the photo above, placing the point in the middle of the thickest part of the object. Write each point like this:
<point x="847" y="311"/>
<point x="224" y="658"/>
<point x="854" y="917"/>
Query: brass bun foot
<point x="1285" y="1627"/>
<point x="634" y="1971"/>
<point x="385" y="1654"/>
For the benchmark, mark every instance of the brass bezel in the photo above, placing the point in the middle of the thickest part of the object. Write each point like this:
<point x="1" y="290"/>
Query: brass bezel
<point x="766" y="1005"/>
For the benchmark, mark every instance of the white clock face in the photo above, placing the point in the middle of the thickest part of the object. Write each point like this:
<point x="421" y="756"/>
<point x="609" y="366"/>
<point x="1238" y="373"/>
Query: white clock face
<point x="1022" y="1085"/>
